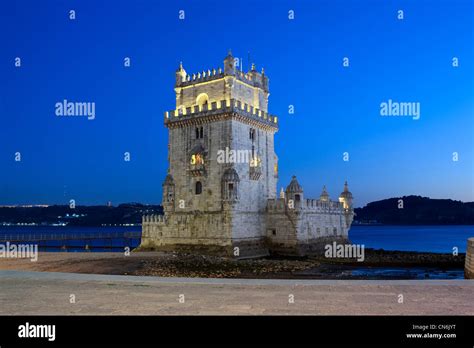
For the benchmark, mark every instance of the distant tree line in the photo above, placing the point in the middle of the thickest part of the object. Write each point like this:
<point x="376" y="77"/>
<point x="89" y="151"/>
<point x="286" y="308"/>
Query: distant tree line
<point x="416" y="210"/>
<point x="128" y="213"/>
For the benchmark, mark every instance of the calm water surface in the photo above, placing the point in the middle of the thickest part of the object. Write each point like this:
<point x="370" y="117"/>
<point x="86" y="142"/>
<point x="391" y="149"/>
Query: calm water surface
<point x="437" y="239"/>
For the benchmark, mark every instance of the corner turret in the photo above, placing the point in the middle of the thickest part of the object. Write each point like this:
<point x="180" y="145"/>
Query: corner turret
<point x="294" y="190"/>
<point x="324" y="195"/>
<point x="180" y="75"/>
<point x="229" y="64"/>
<point x="168" y="193"/>
<point x="346" y="197"/>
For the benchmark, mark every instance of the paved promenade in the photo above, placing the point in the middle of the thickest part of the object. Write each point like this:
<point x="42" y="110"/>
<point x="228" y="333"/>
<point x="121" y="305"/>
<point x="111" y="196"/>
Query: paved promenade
<point x="25" y="293"/>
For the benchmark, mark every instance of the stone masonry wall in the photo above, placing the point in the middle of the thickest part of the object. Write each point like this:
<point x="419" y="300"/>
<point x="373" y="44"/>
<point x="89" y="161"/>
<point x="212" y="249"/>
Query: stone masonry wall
<point x="469" y="265"/>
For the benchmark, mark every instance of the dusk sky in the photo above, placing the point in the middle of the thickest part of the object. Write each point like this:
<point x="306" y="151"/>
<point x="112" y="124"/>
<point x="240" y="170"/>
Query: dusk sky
<point x="337" y="108"/>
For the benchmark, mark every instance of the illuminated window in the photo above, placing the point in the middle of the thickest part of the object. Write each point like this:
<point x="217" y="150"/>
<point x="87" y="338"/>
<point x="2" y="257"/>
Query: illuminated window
<point x="255" y="162"/>
<point x="197" y="159"/>
<point x="198" y="188"/>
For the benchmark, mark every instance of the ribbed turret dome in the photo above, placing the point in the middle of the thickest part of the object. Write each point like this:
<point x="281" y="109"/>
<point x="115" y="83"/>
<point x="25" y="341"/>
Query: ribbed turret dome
<point x="346" y="193"/>
<point x="324" y="195"/>
<point x="294" y="186"/>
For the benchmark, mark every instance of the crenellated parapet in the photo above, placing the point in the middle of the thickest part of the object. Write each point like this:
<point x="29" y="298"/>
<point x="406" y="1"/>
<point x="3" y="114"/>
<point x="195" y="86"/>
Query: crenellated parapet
<point x="307" y="205"/>
<point x="153" y="219"/>
<point x="204" y="76"/>
<point x="251" y="78"/>
<point x="223" y="108"/>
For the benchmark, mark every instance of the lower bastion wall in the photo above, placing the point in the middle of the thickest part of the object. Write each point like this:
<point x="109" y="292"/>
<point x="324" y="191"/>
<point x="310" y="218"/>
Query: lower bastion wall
<point x="306" y="228"/>
<point x="469" y="263"/>
<point x="206" y="233"/>
<point x="302" y="230"/>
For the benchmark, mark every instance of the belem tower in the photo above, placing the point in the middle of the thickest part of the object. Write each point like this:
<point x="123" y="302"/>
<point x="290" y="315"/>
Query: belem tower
<point x="220" y="194"/>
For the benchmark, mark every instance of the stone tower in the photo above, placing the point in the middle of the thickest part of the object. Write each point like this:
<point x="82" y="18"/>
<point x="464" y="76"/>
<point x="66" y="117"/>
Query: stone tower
<point x="222" y="163"/>
<point x="219" y="196"/>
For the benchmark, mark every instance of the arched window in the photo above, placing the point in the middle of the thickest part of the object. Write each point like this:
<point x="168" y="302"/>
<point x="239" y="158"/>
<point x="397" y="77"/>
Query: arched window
<point x="198" y="187"/>
<point x="202" y="99"/>
<point x="230" y="185"/>
<point x="297" y="198"/>
<point x="197" y="133"/>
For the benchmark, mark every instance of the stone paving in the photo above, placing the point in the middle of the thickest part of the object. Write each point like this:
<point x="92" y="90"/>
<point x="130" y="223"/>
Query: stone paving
<point x="44" y="293"/>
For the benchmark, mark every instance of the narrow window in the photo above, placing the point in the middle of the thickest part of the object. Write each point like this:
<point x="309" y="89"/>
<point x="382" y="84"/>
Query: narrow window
<point x="198" y="188"/>
<point x="197" y="133"/>
<point x="252" y="134"/>
<point x="297" y="198"/>
<point x="201" y="133"/>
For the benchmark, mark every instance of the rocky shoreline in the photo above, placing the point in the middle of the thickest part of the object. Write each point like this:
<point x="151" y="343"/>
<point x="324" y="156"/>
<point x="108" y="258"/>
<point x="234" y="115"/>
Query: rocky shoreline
<point x="378" y="264"/>
<point x="186" y="265"/>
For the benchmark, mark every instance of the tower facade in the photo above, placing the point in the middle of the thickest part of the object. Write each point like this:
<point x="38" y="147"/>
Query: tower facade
<point x="222" y="162"/>
<point x="223" y="170"/>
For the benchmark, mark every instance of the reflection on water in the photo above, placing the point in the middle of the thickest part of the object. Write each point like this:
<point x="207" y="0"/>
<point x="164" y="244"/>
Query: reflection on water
<point x="355" y="272"/>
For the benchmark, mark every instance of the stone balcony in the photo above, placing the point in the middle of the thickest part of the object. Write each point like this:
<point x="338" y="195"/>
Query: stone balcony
<point x="255" y="172"/>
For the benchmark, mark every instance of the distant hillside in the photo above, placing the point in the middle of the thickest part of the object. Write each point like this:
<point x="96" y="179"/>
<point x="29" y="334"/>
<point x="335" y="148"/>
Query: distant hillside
<point x="417" y="210"/>
<point x="129" y="213"/>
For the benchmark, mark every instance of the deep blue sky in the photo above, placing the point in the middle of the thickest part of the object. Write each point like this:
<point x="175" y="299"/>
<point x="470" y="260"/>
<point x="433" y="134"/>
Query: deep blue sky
<point x="337" y="109"/>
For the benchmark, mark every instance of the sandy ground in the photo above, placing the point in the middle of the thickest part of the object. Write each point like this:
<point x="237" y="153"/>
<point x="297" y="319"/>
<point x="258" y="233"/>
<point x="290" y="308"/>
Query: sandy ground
<point x="34" y="293"/>
<point x="87" y="262"/>
<point x="24" y="292"/>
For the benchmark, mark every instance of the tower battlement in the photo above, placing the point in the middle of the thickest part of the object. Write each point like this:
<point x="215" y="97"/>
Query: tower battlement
<point x="214" y="85"/>
<point x="199" y="77"/>
<point x="251" y="77"/>
<point x="221" y="107"/>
